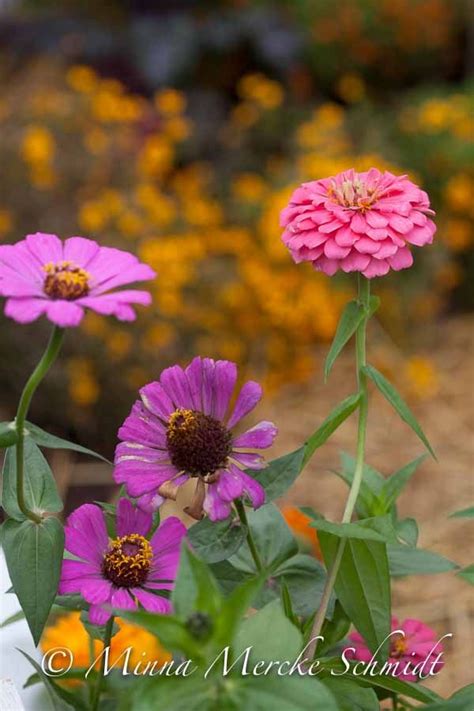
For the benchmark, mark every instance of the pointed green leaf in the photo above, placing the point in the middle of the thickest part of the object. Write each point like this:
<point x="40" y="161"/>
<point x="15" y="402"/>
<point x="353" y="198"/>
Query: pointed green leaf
<point x="44" y="439"/>
<point x="369" y="501"/>
<point x="352" y="697"/>
<point x="397" y="402"/>
<point x="61" y="698"/>
<point x="363" y="587"/>
<point x="280" y="474"/>
<point x="41" y="494"/>
<point x="378" y="528"/>
<point x="405" y="560"/>
<point x="340" y="413"/>
<point x="34" y="554"/>
<point x="463" y="513"/>
<point x="196" y="589"/>
<point x="351" y="317"/>
<point x="270" y="634"/>
<point x="305" y="578"/>
<point x="7" y="434"/>
<point x="170" y="630"/>
<point x="234" y="607"/>
<point x="404" y="688"/>
<point x="394" y="485"/>
<point x="407" y="531"/>
<point x="467" y="574"/>
<point x="217" y="540"/>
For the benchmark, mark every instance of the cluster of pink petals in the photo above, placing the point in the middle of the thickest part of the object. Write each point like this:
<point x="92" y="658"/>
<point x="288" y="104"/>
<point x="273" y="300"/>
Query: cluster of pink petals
<point x="23" y="269"/>
<point x="357" y="222"/>
<point x="412" y="643"/>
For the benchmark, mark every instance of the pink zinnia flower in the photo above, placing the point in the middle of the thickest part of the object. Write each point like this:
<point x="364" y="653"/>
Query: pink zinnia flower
<point x="125" y="571"/>
<point x="41" y="275"/>
<point x="411" y="644"/>
<point x="179" y="430"/>
<point x="357" y="222"/>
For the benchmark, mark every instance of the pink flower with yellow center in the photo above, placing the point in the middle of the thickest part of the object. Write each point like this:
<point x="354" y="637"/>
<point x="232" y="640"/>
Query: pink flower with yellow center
<point x="123" y="572"/>
<point x="411" y="643"/>
<point x="42" y="275"/>
<point x="357" y="222"/>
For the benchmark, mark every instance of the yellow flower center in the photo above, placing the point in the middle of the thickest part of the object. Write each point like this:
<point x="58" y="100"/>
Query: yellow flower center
<point x="198" y="444"/>
<point x="65" y="280"/>
<point x="398" y="646"/>
<point x="353" y="194"/>
<point x="128" y="560"/>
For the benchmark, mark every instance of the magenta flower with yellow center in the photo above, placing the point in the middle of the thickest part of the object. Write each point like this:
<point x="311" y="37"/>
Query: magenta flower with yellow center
<point x="182" y="428"/>
<point x="120" y="573"/>
<point x="357" y="222"/>
<point x="42" y="275"/>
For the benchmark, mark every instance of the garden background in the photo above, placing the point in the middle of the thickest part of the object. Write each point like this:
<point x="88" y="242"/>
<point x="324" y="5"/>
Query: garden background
<point x="177" y="130"/>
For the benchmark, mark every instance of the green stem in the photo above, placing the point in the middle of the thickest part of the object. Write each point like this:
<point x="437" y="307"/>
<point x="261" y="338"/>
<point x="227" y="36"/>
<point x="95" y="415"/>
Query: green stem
<point x="363" y="298"/>
<point x="48" y="358"/>
<point x="251" y="543"/>
<point x="100" y="679"/>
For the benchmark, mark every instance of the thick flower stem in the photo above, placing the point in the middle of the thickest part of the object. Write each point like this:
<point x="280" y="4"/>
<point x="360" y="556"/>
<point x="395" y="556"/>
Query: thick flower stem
<point x="35" y="379"/>
<point x="251" y="543"/>
<point x="363" y="299"/>
<point x="100" y="679"/>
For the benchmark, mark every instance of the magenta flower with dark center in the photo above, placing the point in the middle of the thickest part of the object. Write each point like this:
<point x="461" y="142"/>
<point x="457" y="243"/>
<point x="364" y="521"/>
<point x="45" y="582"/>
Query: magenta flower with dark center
<point x="123" y="572"/>
<point x="181" y="429"/>
<point x="357" y="222"/>
<point x="42" y="275"/>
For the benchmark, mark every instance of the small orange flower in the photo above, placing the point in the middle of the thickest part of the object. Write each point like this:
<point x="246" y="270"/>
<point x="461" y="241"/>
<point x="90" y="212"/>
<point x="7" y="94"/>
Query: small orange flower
<point x="300" y="525"/>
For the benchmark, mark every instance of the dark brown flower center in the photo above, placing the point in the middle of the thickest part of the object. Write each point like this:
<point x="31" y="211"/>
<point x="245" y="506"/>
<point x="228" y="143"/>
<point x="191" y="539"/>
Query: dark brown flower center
<point x="128" y="560"/>
<point x="65" y="281"/>
<point x="198" y="444"/>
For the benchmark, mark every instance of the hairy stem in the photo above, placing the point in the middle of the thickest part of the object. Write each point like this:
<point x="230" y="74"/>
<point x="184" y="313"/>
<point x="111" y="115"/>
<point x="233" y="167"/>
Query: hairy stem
<point x="48" y="358"/>
<point x="100" y="678"/>
<point x="250" y="542"/>
<point x="363" y="298"/>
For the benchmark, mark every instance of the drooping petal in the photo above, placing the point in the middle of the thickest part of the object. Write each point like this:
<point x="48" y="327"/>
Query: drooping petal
<point x="98" y="615"/>
<point x="96" y="592"/>
<point x="216" y="508"/>
<point x="66" y="314"/>
<point x="25" y="310"/>
<point x="254" y="490"/>
<point x="122" y="600"/>
<point x="229" y="485"/>
<point x="151" y="602"/>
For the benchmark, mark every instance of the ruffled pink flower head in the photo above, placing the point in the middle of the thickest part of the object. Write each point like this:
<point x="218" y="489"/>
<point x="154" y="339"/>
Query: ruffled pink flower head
<point x="122" y="572"/>
<point x="41" y="275"/>
<point x="357" y="222"/>
<point x="411" y="644"/>
<point x="180" y="429"/>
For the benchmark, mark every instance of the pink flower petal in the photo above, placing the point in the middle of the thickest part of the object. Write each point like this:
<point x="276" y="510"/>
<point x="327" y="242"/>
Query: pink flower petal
<point x="260" y="436"/>
<point x="247" y="399"/>
<point x="66" y="314"/>
<point x="131" y="519"/>
<point x="25" y="310"/>
<point x="151" y="602"/>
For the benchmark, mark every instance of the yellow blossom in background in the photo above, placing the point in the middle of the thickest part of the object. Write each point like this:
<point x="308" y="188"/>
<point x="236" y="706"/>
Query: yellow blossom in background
<point x="249" y="187"/>
<point x="82" y="78"/>
<point x="458" y="234"/>
<point x="459" y="193"/>
<point x="69" y="631"/>
<point x="351" y="88"/>
<point x="38" y="145"/>
<point x="421" y="376"/>
<point x="6" y="222"/>
<point x="170" y="102"/>
<point x="265" y="92"/>
<point x="83" y="387"/>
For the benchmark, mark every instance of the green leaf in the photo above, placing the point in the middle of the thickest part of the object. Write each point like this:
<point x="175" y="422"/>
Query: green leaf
<point x="463" y="513"/>
<point x="34" y="554"/>
<point x="287" y="604"/>
<point x="369" y="501"/>
<point x="44" y="439"/>
<point x="273" y="538"/>
<point x="270" y="634"/>
<point x="61" y="699"/>
<point x="351" y="317"/>
<point x="304" y="578"/>
<point x="394" y="485"/>
<point x="8" y="434"/>
<point x="467" y="574"/>
<point x="233" y="609"/>
<point x="407" y="531"/>
<point x="397" y="402"/>
<point x="20" y="615"/>
<point x="352" y="697"/>
<point x="41" y="494"/>
<point x="397" y="686"/>
<point x="280" y="474"/>
<point x="196" y="589"/>
<point x="457" y="702"/>
<point x="340" y="413"/>
<point x="379" y="528"/>
<point x="215" y="541"/>
<point x="334" y="630"/>
<point x="363" y="587"/>
<point x="170" y="630"/>
<point x="405" y="560"/>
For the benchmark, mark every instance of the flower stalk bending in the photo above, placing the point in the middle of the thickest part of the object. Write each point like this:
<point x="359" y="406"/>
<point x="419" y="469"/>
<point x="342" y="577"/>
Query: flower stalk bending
<point x="47" y="360"/>
<point x="363" y="299"/>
